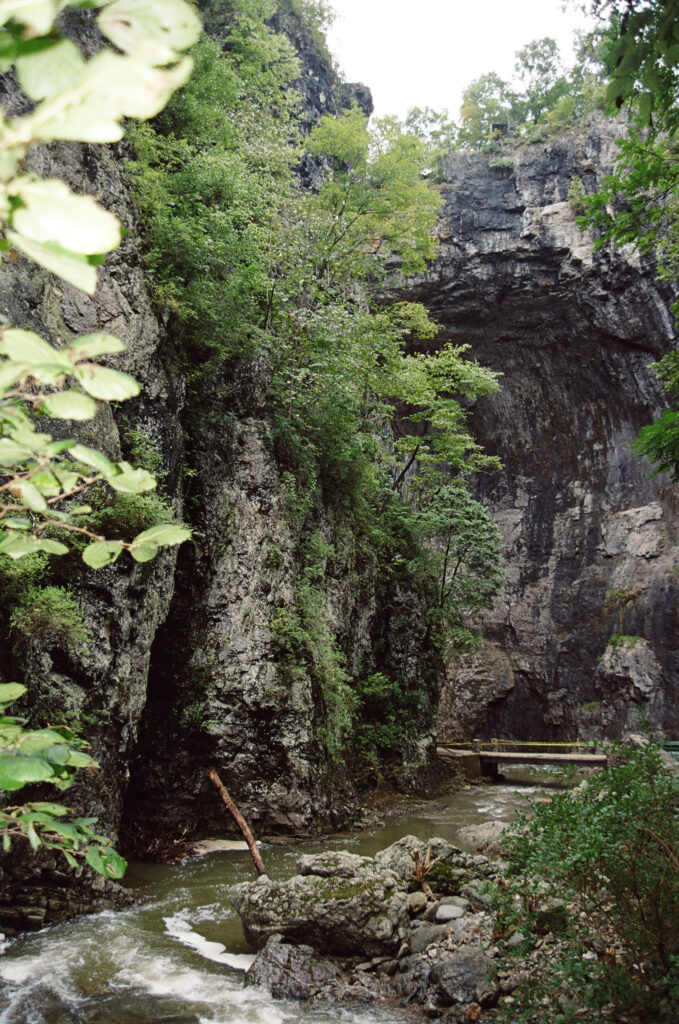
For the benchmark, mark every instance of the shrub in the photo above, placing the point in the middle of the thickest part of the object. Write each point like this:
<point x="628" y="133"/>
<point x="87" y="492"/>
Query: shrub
<point x="611" y="848"/>
<point x="51" y="614"/>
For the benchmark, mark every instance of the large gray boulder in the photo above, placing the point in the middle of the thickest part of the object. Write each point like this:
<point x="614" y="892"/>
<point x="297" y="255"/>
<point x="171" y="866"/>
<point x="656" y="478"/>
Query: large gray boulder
<point x="365" y="915"/>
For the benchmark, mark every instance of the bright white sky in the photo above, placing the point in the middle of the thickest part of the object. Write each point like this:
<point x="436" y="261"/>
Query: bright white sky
<point x="418" y="53"/>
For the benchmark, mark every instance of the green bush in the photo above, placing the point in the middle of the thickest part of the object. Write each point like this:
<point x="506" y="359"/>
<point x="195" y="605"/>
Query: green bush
<point x="611" y="850"/>
<point x="51" y="614"/>
<point x="125" y="515"/>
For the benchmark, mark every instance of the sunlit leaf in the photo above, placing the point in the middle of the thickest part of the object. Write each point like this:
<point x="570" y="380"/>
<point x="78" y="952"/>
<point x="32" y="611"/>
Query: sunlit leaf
<point x="72" y="267"/>
<point x="131" y="481"/>
<point x="11" y="691"/>
<point x="93" y="345"/>
<point x="106" y="384"/>
<point x="101" y="553"/>
<point x="30" y="348"/>
<point x="17" y="771"/>
<point x="69" y="405"/>
<point x="37" y="15"/>
<point x="154" y="32"/>
<point x="51" y="212"/>
<point x="29" y="494"/>
<point x="51" y="70"/>
<point x="167" y="533"/>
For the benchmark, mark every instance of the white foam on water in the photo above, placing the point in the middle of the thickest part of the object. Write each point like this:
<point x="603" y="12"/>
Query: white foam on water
<point x="226" y="1000"/>
<point x="179" y="928"/>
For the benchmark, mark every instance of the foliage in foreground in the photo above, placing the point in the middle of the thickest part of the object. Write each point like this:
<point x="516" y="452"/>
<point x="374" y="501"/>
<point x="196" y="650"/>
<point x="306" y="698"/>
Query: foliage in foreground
<point x="52" y="755"/>
<point x="610" y="849"/>
<point x="638" y="204"/>
<point x="43" y="479"/>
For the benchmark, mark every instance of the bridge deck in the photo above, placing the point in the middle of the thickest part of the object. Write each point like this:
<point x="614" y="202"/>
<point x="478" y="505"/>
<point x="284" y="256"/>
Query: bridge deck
<point x="523" y="757"/>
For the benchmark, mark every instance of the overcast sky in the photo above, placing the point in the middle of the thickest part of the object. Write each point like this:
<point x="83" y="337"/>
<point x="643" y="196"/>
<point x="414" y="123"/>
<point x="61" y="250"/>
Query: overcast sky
<point x="418" y="53"/>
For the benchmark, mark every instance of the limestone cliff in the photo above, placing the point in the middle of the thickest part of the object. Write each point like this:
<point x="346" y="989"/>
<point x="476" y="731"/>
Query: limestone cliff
<point x="590" y="540"/>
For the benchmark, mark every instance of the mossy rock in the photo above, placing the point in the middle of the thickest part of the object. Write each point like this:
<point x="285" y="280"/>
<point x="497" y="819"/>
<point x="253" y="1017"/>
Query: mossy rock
<point x="447" y="881"/>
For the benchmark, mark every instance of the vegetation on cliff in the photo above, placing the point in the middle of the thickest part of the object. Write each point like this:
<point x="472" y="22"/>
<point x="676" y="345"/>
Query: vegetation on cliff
<point x="269" y="248"/>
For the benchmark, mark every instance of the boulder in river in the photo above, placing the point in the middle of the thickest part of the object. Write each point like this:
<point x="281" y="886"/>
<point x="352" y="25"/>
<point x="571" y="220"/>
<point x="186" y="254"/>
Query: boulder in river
<point x="362" y="914"/>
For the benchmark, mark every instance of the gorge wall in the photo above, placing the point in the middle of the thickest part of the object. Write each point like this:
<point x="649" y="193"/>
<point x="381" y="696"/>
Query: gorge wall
<point x="590" y="540"/>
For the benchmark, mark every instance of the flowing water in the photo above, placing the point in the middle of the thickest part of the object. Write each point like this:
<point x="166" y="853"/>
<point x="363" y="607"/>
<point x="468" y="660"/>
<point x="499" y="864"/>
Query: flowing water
<point x="179" y="957"/>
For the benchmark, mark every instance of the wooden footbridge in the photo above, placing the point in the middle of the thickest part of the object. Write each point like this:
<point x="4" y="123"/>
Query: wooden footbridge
<point x="485" y="758"/>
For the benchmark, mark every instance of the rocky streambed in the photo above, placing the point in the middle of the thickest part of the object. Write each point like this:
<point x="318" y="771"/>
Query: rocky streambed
<point x="357" y="929"/>
<point x="179" y="955"/>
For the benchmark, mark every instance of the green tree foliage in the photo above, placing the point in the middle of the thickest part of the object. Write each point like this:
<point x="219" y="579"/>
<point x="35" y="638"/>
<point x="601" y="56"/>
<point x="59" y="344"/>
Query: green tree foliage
<point x="541" y="98"/>
<point x="52" y="755"/>
<point x="539" y="70"/>
<point x="81" y="100"/>
<point x="486" y="103"/>
<point x="251" y="263"/>
<point x="610" y="849"/>
<point x="639" y="204"/>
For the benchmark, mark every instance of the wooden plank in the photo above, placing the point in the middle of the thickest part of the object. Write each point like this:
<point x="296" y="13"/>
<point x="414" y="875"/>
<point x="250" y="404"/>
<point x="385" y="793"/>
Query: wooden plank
<point x="526" y="758"/>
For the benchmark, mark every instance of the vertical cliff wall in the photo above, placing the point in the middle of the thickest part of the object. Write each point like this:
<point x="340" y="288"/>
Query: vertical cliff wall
<point x="590" y="540"/>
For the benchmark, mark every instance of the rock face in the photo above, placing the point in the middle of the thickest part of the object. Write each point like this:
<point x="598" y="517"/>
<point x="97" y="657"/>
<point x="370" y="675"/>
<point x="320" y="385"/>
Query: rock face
<point x="590" y="541"/>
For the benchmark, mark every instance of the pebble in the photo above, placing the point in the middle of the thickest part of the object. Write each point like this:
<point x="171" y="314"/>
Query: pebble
<point x="448" y="912"/>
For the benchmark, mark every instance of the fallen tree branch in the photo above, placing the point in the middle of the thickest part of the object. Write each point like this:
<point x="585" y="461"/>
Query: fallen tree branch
<point x="240" y="821"/>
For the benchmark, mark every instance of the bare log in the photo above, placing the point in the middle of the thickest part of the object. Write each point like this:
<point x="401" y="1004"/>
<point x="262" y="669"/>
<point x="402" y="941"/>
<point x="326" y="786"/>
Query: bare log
<point x="240" y="821"/>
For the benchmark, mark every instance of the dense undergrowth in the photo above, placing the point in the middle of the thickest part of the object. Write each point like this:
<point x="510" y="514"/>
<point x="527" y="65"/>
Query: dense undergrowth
<point x="599" y="868"/>
<point x="255" y="267"/>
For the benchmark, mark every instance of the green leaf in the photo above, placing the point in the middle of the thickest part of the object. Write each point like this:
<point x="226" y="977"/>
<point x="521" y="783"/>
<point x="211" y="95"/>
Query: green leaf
<point x="156" y="33"/>
<point x="15" y="523"/>
<point x="16" y="771"/>
<point x="69" y="405"/>
<point x="39" y="740"/>
<point x="70" y="859"/>
<point x="51" y="212"/>
<point x="106" y="384"/>
<point x="77" y="759"/>
<point x="144" y="552"/>
<point x="6" y="844"/>
<point x="66" y="831"/>
<point x="52" y="547"/>
<point x="56" y="809"/>
<point x="141" y="91"/>
<point x="32" y="835"/>
<point x="105" y="862"/>
<point x="91" y="457"/>
<point x="131" y="481"/>
<point x="93" y="345"/>
<point x="72" y="267"/>
<point x="50" y="71"/>
<point x="37" y="15"/>
<point x="101" y="553"/>
<point x="162" y="535"/>
<point x="29" y="494"/>
<point x="10" y="692"/>
<point x="27" y="347"/>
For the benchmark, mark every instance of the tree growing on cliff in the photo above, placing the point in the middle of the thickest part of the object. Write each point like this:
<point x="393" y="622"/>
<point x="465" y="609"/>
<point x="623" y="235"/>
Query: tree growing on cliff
<point x="43" y="479"/>
<point x="639" y="204"/>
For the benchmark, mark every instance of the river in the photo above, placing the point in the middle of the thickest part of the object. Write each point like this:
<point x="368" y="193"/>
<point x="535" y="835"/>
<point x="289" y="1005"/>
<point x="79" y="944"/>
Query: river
<point x="178" y="957"/>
